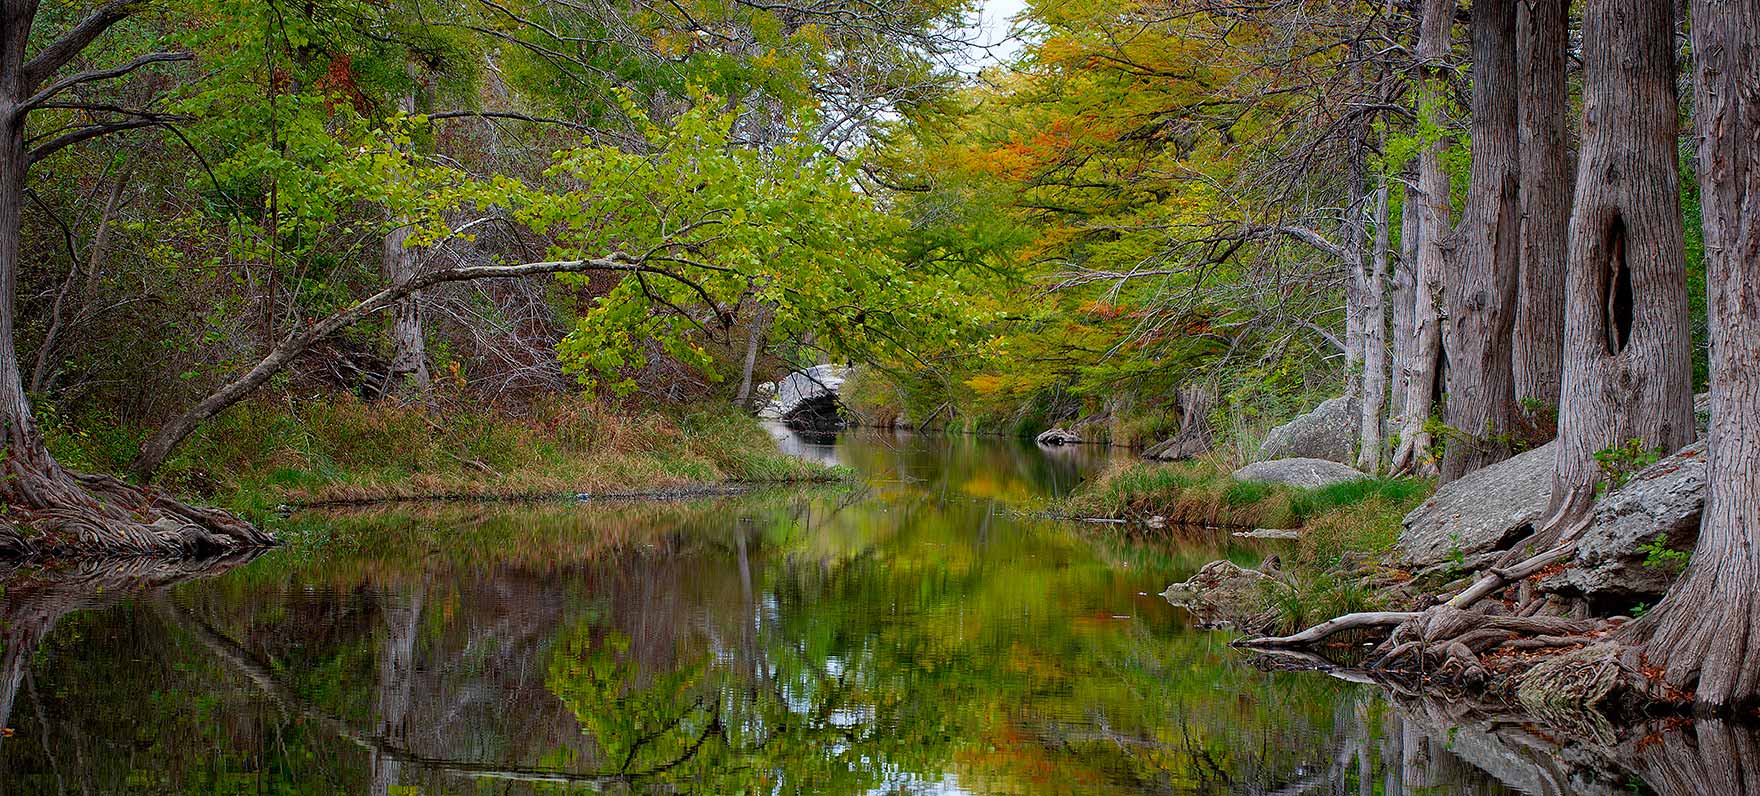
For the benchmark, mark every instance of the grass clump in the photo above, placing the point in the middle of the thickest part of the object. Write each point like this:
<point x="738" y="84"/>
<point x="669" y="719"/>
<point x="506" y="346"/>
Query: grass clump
<point x="267" y="452"/>
<point x="1203" y="492"/>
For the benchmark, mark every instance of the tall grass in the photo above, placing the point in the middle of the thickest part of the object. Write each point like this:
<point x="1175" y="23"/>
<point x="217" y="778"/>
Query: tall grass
<point x="1203" y="492"/>
<point x="266" y="452"/>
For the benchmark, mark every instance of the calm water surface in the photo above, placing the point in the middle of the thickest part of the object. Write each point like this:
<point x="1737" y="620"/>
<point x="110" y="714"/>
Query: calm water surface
<point x="918" y="633"/>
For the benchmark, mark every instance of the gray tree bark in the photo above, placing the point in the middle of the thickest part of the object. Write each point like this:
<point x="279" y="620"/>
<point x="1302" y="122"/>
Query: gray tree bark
<point x="1546" y="184"/>
<point x="1628" y="360"/>
<point x="1481" y="278"/>
<point x="1706" y="631"/>
<point x="1402" y="300"/>
<point x="1371" y="455"/>
<point x="409" y="354"/>
<point x="1432" y="205"/>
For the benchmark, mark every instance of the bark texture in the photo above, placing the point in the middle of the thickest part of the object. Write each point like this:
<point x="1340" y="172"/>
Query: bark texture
<point x="1546" y="186"/>
<point x="1424" y="360"/>
<point x="1706" y="632"/>
<point x="1401" y="299"/>
<point x="409" y="353"/>
<point x="1370" y="455"/>
<point x="1628" y="369"/>
<point x="1481" y="280"/>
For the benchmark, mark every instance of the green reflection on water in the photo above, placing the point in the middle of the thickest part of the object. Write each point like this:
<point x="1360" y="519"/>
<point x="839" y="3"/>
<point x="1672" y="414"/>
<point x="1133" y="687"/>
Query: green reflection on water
<point x="921" y="632"/>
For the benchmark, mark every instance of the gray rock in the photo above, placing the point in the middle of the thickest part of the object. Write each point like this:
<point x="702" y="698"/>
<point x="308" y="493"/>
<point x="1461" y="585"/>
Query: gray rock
<point x="1484" y="511"/>
<point x="1304" y="473"/>
<point x="1059" y="436"/>
<point x="1220" y="593"/>
<point x="1662" y="501"/>
<point x="800" y="388"/>
<point x="1328" y="432"/>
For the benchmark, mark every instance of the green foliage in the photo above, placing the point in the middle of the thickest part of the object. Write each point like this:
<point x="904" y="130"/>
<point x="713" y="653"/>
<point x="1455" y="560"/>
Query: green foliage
<point x="1658" y="555"/>
<point x="1620" y="462"/>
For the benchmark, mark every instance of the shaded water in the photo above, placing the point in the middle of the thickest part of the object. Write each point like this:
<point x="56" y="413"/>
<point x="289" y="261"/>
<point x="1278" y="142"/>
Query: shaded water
<point x="920" y="633"/>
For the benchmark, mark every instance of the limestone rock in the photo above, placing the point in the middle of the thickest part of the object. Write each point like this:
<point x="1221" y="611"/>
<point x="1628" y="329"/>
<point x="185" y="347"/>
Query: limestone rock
<point x="1059" y="436"/>
<point x="1481" y="512"/>
<point x="1328" y="432"/>
<point x="802" y="391"/>
<point x="1304" y="473"/>
<point x="1221" y="592"/>
<point x="1663" y="501"/>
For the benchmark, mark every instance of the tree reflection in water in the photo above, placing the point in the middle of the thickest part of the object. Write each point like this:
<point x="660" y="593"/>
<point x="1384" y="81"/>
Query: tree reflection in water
<point x="921" y="633"/>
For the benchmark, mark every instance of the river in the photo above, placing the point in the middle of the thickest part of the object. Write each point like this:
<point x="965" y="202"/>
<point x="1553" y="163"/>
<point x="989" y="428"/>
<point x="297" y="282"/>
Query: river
<point x="919" y="632"/>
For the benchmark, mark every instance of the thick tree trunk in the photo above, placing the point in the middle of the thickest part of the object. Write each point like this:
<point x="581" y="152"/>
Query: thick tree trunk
<point x="1628" y="368"/>
<point x="1481" y="281"/>
<point x="1371" y="455"/>
<point x="1706" y="632"/>
<point x="1546" y="186"/>
<point x="1432" y="205"/>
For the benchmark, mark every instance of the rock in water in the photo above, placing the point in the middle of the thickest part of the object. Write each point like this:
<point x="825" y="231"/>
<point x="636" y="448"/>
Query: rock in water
<point x="1221" y="592"/>
<point x="1618" y="560"/>
<point x="1481" y="512"/>
<point x="1304" y="473"/>
<point x="1329" y="432"/>
<point x="1059" y="436"/>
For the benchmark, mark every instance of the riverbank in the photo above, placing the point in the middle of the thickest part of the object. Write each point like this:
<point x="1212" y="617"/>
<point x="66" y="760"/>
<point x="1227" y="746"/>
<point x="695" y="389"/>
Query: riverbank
<point x="273" y="452"/>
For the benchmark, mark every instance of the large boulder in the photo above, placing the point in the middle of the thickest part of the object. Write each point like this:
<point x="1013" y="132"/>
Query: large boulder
<point x="1482" y="512"/>
<point x="1304" y="473"/>
<point x="1619" y="559"/>
<point x="1329" y="432"/>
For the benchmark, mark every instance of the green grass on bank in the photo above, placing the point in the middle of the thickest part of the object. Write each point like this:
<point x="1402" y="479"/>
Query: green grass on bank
<point x="1346" y="528"/>
<point x="267" y="452"/>
<point x="1202" y="493"/>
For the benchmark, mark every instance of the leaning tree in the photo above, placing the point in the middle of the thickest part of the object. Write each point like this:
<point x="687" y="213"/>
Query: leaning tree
<point x="77" y="510"/>
<point x="1705" y="632"/>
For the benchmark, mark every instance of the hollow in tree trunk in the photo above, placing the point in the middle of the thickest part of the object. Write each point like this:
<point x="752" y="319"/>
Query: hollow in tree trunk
<point x="1628" y="368"/>
<point x="1546" y="186"/>
<point x="1705" y="634"/>
<point x="1481" y="274"/>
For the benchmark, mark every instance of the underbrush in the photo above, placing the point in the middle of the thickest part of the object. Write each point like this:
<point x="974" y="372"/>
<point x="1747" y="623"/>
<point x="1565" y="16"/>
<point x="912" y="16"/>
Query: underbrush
<point x="267" y="452"/>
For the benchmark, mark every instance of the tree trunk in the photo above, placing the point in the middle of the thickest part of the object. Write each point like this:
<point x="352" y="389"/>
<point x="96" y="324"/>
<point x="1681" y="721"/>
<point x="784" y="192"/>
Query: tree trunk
<point x="1546" y="185"/>
<point x="1403" y="302"/>
<point x="1706" y="632"/>
<point x="1432" y="205"/>
<point x="1354" y="238"/>
<point x="1195" y="436"/>
<point x="1370" y="457"/>
<point x="1628" y="364"/>
<point x="754" y="344"/>
<point x="1481" y="279"/>
<point x="409" y="354"/>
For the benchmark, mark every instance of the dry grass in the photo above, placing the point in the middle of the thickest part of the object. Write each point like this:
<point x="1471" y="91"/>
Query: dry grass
<point x="263" y="453"/>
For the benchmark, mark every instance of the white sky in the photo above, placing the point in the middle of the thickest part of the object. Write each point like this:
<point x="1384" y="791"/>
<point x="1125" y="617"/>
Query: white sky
<point x="992" y="28"/>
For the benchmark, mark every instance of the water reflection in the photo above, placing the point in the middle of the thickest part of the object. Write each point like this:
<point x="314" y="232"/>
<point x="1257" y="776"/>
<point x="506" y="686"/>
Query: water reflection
<point x="921" y="633"/>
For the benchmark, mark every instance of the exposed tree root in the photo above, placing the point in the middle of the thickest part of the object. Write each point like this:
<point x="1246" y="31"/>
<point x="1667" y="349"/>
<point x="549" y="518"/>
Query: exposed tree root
<point x="54" y="512"/>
